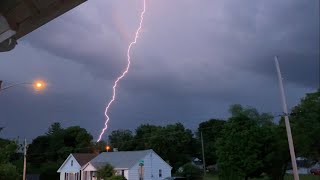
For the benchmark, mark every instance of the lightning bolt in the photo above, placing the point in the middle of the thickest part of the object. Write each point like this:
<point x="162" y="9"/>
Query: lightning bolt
<point x="123" y="73"/>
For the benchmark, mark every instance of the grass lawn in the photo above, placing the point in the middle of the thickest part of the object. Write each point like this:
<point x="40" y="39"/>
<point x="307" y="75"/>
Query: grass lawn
<point x="287" y="177"/>
<point x="210" y="177"/>
<point x="303" y="177"/>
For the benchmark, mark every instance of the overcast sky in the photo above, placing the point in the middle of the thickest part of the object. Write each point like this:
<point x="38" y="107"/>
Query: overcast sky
<point x="194" y="58"/>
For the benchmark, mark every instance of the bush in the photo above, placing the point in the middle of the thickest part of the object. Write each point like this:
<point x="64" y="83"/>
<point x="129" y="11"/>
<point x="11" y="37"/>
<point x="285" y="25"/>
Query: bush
<point x="105" y="172"/>
<point x="191" y="172"/>
<point x="116" y="178"/>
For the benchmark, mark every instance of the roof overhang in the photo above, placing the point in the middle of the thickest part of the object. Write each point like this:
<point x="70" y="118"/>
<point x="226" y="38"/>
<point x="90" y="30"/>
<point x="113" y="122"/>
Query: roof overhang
<point x="24" y="16"/>
<point x="88" y="167"/>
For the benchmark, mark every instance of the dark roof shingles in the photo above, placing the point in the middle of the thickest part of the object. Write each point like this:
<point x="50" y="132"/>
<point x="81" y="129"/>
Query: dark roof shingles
<point x="83" y="158"/>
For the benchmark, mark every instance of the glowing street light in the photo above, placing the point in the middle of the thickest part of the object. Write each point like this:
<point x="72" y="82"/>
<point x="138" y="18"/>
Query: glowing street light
<point x="39" y="85"/>
<point x="107" y="148"/>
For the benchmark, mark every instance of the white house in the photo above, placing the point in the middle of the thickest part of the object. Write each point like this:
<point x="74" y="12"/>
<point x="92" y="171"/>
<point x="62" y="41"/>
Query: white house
<point x="133" y="165"/>
<point x="71" y="167"/>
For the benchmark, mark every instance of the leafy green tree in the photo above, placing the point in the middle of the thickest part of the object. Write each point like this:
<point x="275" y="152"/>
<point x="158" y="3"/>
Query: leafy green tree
<point x="122" y="139"/>
<point x="39" y="150"/>
<point x="55" y="146"/>
<point x="305" y="122"/>
<point x="238" y="148"/>
<point x="8" y="172"/>
<point x="106" y="172"/>
<point x="7" y="148"/>
<point x="252" y="113"/>
<point x="211" y="130"/>
<point x="144" y="133"/>
<point x="278" y="156"/>
<point x="54" y="129"/>
<point x="167" y="141"/>
<point x="243" y="147"/>
<point x="78" y="138"/>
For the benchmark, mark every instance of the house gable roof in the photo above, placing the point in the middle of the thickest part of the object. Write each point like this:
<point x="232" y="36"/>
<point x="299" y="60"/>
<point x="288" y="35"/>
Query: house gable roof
<point x="83" y="158"/>
<point x="121" y="159"/>
<point x="65" y="161"/>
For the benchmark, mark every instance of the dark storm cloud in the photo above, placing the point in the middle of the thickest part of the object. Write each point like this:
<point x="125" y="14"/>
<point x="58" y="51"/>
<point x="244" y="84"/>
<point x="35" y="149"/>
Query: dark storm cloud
<point x="301" y="69"/>
<point x="241" y="34"/>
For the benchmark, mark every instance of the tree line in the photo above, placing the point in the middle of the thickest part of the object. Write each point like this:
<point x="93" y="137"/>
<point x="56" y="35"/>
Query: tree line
<point x="248" y="144"/>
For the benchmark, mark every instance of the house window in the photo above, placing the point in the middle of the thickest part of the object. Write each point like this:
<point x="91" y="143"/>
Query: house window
<point x="122" y="172"/>
<point x="160" y="173"/>
<point x="71" y="162"/>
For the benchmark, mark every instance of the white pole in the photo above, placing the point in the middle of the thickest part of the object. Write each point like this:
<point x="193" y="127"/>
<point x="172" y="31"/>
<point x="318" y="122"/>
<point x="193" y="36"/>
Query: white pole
<point x="286" y="118"/>
<point x="25" y="159"/>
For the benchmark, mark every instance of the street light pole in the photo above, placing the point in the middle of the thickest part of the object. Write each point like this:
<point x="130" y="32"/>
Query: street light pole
<point x="203" y="161"/>
<point x="10" y="86"/>
<point x="25" y="159"/>
<point x="286" y="118"/>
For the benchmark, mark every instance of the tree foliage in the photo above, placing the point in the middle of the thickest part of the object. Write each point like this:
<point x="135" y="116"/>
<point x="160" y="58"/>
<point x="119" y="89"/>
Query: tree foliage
<point x="243" y="147"/>
<point x="167" y="141"/>
<point x="122" y="139"/>
<point x="8" y="151"/>
<point x="211" y="130"/>
<point x="55" y="146"/>
<point x="305" y="122"/>
<point x="8" y="172"/>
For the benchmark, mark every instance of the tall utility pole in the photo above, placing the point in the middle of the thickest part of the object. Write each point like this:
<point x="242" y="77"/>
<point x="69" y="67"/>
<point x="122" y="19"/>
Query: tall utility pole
<point x="25" y="159"/>
<point x="203" y="160"/>
<point x="286" y="118"/>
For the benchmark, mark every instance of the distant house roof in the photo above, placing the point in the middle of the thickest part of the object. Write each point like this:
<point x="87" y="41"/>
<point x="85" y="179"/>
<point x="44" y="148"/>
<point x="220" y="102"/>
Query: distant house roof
<point x="196" y="161"/>
<point x="83" y="158"/>
<point x="121" y="159"/>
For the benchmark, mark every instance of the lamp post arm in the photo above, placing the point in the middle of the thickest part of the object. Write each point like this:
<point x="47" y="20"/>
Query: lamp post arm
<point x="13" y="85"/>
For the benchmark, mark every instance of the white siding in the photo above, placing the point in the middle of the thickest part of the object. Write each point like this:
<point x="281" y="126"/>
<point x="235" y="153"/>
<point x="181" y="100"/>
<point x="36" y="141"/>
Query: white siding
<point x="152" y="164"/>
<point x="62" y="176"/>
<point x="87" y="171"/>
